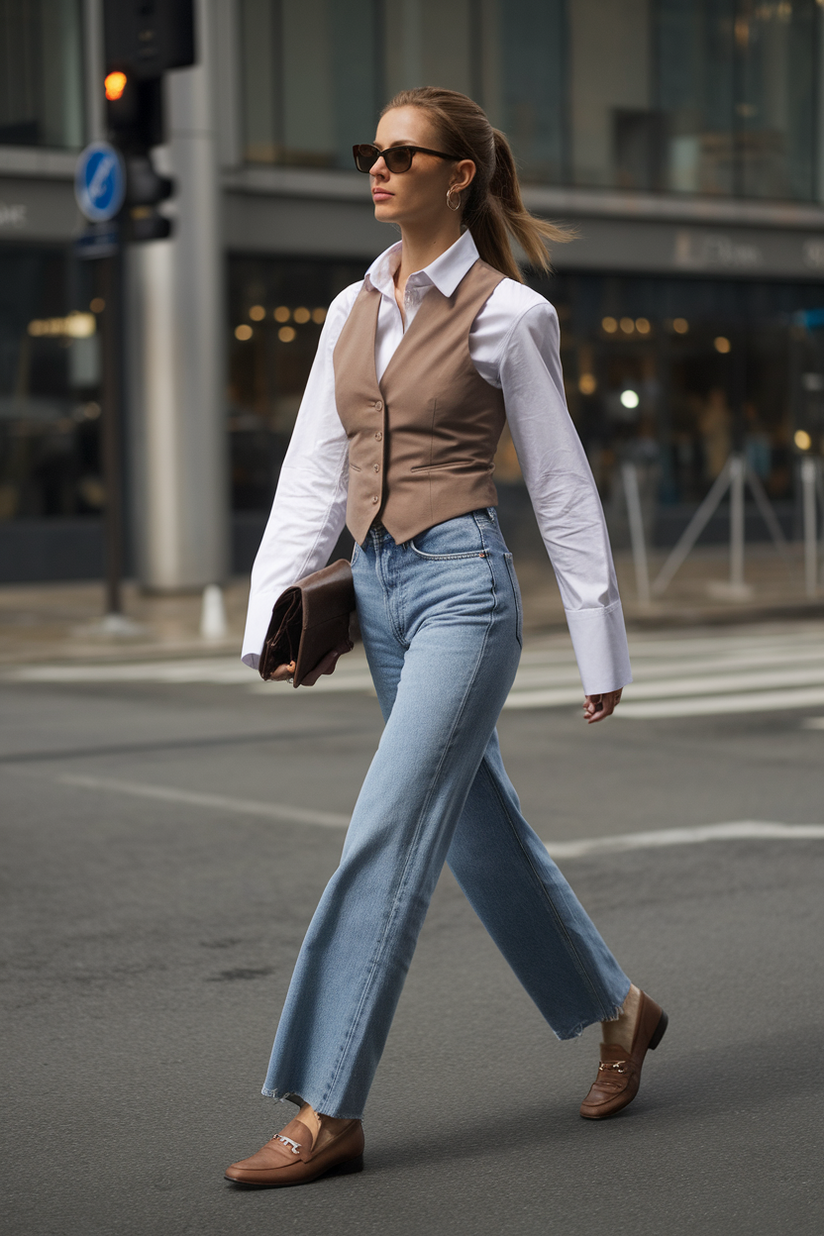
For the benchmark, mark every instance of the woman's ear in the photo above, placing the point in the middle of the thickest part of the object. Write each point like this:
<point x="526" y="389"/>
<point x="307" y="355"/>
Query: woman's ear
<point x="464" y="175"/>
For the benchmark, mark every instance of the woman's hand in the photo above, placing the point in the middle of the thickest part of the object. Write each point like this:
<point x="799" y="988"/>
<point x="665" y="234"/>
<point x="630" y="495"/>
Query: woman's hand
<point x="327" y="666"/>
<point x="596" y="707"/>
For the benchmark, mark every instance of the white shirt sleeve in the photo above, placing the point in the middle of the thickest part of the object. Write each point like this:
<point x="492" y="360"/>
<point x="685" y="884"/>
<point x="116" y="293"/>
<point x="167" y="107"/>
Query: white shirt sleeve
<point x="309" y="509"/>
<point x="564" y="497"/>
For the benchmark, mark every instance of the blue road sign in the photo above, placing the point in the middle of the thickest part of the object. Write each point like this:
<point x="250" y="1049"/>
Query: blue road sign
<point x="100" y="182"/>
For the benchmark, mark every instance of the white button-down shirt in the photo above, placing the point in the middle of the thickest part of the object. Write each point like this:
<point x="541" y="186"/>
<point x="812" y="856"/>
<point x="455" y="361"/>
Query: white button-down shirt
<point x="514" y="345"/>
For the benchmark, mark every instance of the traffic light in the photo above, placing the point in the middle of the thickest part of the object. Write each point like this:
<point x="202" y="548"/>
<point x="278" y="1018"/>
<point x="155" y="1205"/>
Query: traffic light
<point x="149" y="37"/>
<point x="143" y="40"/>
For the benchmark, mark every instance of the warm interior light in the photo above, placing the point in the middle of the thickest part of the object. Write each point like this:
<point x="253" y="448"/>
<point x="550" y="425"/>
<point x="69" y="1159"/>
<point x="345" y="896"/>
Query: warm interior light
<point x="97" y="305"/>
<point x="609" y="325"/>
<point x="115" y="84"/>
<point x="257" y="313"/>
<point x="282" y="314"/>
<point x="319" y="316"/>
<point x="802" y="439"/>
<point x="286" y="334"/>
<point x="630" y="399"/>
<point x="642" y="326"/>
<point x="587" y="383"/>
<point x="680" y="326"/>
<point x="243" y="332"/>
<point x="75" y="326"/>
<point x="302" y="315"/>
<point x="627" y="326"/>
<point x="722" y="344"/>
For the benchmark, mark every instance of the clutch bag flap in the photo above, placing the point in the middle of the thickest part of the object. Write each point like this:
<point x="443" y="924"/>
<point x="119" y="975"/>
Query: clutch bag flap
<point x="309" y="620"/>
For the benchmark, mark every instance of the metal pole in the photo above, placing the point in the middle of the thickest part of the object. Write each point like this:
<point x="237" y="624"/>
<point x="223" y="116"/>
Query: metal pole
<point x="737" y="475"/>
<point x="636" y="531"/>
<point x="112" y="461"/>
<point x="808" y="487"/>
<point x="693" y="530"/>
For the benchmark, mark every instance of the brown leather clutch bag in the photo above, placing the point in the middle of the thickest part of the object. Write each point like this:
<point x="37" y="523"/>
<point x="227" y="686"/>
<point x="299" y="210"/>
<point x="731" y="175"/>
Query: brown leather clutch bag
<point x="309" y="620"/>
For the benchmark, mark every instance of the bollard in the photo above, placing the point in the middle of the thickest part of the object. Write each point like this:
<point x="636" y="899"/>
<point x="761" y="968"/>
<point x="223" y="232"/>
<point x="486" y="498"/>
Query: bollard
<point x="213" y="613"/>
<point x="809" y="476"/>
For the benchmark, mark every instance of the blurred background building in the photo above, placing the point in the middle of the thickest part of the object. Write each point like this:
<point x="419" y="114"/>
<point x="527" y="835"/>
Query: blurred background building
<point x="682" y="138"/>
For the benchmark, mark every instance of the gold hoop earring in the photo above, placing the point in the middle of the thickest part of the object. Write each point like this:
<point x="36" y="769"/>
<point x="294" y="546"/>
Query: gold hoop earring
<point x="449" y="193"/>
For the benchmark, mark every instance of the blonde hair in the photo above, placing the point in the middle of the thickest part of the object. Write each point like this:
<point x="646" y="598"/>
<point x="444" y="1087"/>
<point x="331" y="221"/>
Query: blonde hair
<point x="493" y="210"/>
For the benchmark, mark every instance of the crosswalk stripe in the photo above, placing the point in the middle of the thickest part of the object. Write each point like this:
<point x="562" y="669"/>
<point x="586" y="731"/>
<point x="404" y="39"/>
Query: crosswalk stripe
<point x="718" y="705"/>
<point x="737" y="831"/>
<point x="698" y="675"/>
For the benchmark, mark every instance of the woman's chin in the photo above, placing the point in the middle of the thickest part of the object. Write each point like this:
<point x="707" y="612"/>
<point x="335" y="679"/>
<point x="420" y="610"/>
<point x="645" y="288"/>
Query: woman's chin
<point x="384" y="212"/>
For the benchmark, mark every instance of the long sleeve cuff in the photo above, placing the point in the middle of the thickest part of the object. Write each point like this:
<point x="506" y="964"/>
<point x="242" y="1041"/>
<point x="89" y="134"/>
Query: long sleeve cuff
<point x="600" y="643"/>
<point x="258" y="617"/>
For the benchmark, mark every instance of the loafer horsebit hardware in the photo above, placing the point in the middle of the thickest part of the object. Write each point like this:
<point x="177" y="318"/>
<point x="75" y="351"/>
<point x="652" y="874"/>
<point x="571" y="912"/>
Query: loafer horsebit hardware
<point x="287" y="1141"/>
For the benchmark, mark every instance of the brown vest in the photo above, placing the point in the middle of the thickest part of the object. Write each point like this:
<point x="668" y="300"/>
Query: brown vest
<point x="422" y="441"/>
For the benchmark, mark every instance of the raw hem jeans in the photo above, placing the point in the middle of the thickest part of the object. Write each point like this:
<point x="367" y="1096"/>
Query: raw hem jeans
<point x="441" y="623"/>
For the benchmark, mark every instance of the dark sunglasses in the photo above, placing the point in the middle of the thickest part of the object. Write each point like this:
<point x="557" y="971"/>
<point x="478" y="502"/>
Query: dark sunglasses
<point x="396" y="158"/>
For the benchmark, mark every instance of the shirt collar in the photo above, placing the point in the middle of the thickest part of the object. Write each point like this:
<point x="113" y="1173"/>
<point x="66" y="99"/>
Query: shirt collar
<point x="445" y="273"/>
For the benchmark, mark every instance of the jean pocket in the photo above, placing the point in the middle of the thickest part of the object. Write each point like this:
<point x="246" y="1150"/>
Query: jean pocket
<point x="451" y="540"/>
<point x="516" y="592"/>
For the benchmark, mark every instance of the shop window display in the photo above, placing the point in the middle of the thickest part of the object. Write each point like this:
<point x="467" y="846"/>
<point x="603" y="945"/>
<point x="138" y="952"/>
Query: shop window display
<point x="667" y="374"/>
<point x="49" y="387"/>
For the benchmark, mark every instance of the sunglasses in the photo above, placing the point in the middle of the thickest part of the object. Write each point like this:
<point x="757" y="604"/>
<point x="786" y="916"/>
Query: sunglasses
<point x="396" y="158"/>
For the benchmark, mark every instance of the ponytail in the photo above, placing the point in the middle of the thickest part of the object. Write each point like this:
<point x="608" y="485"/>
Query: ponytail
<point x="494" y="210"/>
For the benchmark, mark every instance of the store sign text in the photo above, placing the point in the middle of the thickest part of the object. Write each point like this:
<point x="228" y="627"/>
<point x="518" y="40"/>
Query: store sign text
<point x="715" y="251"/>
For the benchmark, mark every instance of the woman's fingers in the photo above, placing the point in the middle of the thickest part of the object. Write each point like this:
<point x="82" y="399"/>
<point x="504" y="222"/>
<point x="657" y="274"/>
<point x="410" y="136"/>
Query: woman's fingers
<point x="282" y="673"/>
<point x="596" y="707"/>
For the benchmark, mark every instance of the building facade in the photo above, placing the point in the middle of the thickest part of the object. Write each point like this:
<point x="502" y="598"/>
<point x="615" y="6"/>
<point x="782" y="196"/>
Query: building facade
<point x="682" y="139"/>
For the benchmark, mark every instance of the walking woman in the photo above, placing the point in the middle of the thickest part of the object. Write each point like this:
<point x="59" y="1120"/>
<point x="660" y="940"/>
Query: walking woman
<point x="417" y="369"/>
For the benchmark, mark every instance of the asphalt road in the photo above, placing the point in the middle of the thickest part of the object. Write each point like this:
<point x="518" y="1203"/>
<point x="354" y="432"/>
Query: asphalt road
<point x="163" y="847"/>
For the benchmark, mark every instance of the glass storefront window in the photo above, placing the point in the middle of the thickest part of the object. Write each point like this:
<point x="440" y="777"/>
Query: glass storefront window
<point x="670" y="375"/>
<point x="41" y="73"/>
<point x="276" y="311"/>
<point x="49" y="387"/>
<point x="680" y="96"/>
<point x="673" y="375"/>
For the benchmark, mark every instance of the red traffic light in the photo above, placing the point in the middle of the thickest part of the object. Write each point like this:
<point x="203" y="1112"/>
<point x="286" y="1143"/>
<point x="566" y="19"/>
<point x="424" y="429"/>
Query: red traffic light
<point x="115" y="84"/>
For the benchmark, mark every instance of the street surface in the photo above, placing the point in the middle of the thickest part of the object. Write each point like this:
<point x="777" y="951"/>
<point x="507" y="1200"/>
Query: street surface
<point x="167" y="829"/>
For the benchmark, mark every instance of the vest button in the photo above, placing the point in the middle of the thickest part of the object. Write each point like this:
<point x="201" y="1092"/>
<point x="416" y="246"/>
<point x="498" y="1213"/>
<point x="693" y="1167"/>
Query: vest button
<point x="378" y="405"/>
<point x="376" y="498"/>
<point x="377" y="467"/>
<point x="379" y="437"/>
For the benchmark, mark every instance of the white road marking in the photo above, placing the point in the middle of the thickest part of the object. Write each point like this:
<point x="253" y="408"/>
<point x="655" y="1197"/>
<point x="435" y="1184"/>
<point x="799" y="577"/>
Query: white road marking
<point x="213" y="802"/>
<point x="719" y="705"/>
<point x="813" y="723"/>
<point x="739" y="830"/>
<point x="698" y="675"/>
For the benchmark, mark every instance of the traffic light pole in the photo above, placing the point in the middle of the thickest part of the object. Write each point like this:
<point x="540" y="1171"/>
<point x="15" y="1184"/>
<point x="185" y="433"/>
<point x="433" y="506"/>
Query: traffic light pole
<point x="110" y="284"/>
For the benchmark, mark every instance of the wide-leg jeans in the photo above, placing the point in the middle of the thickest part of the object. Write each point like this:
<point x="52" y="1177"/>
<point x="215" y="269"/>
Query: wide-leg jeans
<point x="441" y="622"/>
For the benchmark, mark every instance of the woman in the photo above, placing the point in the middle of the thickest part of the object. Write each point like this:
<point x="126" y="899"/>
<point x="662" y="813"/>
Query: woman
<point x="416" y="370"/>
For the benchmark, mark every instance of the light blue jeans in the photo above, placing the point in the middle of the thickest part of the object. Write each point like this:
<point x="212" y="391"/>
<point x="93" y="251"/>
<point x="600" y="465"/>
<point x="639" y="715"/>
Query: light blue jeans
<point x="441" y="623"/>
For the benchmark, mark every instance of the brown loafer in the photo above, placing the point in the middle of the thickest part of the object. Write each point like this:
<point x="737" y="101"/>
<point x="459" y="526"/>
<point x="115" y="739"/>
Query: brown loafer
<point x="290" y="1158"/>
<point x="619" y="1073"/>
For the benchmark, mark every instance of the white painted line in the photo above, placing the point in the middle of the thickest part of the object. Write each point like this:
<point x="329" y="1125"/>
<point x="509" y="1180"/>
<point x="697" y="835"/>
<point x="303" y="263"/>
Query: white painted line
<point x="739" y="830"/>
<point x="213" y="802"/>
<point x="720" y="705"/>
<point x="813" y="723"/>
